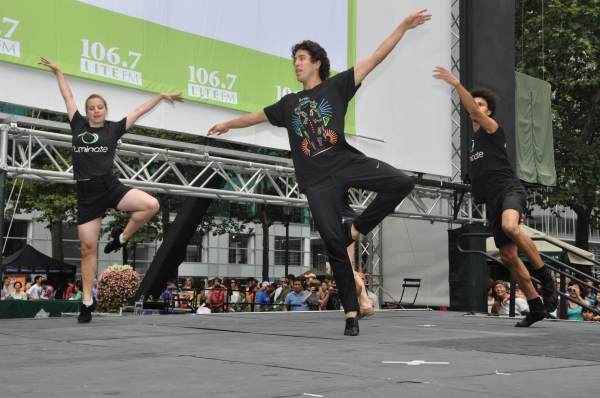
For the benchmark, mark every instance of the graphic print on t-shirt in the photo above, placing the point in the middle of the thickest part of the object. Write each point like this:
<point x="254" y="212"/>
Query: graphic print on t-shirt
<point x="90" y="139"/>
<point x="310" y="121"/>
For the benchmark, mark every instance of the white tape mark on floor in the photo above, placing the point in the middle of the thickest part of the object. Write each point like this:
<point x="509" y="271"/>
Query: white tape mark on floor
<point x="418" y="362"/>
<point x="504" y="374"/>
<point x="312" y="395"/>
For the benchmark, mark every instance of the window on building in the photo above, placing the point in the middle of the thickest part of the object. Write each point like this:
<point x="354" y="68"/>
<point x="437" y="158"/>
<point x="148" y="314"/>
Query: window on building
<point x="238" y="248"/>
<point x="17" y="236"/>
<point x="195" y="248"/>
<point x="295" y="251"/>
<point x="318" y="256"/>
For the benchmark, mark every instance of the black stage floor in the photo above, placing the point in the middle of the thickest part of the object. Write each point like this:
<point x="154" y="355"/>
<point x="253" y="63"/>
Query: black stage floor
<point x="298" y="355"/>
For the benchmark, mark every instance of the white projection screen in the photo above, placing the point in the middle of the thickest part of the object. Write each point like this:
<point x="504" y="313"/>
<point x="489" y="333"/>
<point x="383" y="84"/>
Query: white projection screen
<point x="400" y="106"/>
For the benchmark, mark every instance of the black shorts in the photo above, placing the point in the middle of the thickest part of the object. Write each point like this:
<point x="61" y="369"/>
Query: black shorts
<point x="513" y="197"/>
<point x="97" y="195"/>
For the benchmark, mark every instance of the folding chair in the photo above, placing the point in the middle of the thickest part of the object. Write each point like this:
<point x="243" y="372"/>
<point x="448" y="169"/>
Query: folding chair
<point x="410" y="283"/>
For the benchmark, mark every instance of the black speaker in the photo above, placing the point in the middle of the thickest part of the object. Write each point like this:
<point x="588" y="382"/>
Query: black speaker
<point x="468" y="272"/>
<point x="487" y="59"/>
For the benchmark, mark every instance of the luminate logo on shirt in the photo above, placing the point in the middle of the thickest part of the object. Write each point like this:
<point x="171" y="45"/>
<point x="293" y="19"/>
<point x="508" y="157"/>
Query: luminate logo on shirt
<point x="310" y="121"/>
<point x="89" y="139"/>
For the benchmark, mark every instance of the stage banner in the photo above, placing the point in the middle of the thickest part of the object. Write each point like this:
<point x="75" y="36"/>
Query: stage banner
<point x="226" y="53"/>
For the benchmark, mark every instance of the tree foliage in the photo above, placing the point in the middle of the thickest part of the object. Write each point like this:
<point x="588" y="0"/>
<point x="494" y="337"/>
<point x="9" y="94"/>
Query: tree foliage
<point x="561" y="45"/>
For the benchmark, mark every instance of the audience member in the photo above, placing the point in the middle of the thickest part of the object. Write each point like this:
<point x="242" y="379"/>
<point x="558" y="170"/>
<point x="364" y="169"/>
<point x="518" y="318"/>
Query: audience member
<point x="251" y="296"/>
<point x="59" y="293"/>
<point x="519" y="293"/>
<point x="95" y="287"/>
<point x="263" y="298"/>
<point x="69" y="290"/>
<point x="48" y="293"/>
<point x="323" y="296"/>
<point x="168" y="291"/>
<point x="502" y="303"/>
<point x="285" y="290"/>
<point x="278" y="291"/>
<point x="574" y="310"/>
<point x="490" y="298"/>
<point x="295" y="299"/>
<point x="590" y="294"/>
<point x="27" y="284"/>
<point x="35" y="291"/>
<point x="5" y="286"/>
<point x="234" y="295"/>
<point x="217" y="296"/>
<point x="272" y="289"/>
<point x="188" y="292"/>
<point x="78" y="289"/>
<point x="333" y="304"/>
<point x="18" y="294"/>
<point x="250" y="284"/>
<point x="311" y="300"/>
<point x="587" y="315"/>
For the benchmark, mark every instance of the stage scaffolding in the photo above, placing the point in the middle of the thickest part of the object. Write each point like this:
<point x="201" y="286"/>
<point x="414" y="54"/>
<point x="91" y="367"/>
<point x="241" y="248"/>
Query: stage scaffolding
<point x="23" y="149"/>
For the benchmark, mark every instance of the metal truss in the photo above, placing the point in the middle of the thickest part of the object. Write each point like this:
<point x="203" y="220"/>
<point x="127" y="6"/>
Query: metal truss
<point x="176" y="172"/>
<point x="370" y="257"/>
<point x="455" y="69"/>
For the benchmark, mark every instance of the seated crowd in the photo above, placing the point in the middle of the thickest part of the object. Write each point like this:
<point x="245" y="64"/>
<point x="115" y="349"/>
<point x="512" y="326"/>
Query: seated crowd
<point x="290" y="293"/>
<point x="498" y="298"/>
<point x="41" y="289"/>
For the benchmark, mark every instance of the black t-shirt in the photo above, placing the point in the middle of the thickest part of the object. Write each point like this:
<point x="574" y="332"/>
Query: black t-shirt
<point x="490" y="167"/>
<point x="94" y="147"/>
<point x="314" y="120"/>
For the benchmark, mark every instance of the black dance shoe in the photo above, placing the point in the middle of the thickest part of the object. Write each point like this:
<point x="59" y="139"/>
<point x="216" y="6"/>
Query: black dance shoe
<point x="85" y="312"/>
<point x="351" y="327"/>
<point x="114" y="244"/>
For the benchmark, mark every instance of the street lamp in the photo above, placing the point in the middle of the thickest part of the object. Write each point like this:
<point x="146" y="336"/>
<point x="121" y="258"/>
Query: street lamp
<point x="287" y="212"/>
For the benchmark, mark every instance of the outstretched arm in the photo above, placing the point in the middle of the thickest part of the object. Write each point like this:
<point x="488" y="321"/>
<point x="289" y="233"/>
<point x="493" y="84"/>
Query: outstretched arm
<point x="248" y="120"/>
<point x="364" y="67"/>
<point x="65" y="90"/>
<point x="467" y="100"/>
<point x="146" y="107"/>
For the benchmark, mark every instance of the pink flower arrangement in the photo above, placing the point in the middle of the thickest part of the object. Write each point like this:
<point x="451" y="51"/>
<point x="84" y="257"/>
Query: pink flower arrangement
<point x="116" y="286"/>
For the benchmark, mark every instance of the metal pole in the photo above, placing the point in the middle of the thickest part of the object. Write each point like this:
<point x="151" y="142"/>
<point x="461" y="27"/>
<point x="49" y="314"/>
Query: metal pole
<point x="3" y="165"/>
<point x="563" y="302"/>
<point x="287" y="244"/>
<point x="513" y="297"/>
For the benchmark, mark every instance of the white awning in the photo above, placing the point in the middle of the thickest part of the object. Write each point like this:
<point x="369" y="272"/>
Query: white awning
<point x="545" y="247"/>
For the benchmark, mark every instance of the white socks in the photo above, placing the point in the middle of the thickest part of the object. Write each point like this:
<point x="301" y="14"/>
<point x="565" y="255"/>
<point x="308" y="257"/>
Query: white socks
<point x="121" y="240"/>
<point x="88" y="303"/>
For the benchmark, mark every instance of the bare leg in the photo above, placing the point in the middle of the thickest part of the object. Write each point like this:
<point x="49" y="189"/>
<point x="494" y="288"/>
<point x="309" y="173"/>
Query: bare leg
<point x="143" y="206"/>
<point x="88" y="235"/>
<point x="510" y="257"/>
<point x="361" y="291"/>
<point x="510" y="225"/>
<point x="363" y="298"/>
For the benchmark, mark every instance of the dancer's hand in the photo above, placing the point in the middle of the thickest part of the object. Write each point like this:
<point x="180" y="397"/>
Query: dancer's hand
<point x="218" y="129"/>
<point x="415" y="19"/>
<point x="49" y="64"/>
<point x="171" y="97"/>
<point x="445" y="75"/>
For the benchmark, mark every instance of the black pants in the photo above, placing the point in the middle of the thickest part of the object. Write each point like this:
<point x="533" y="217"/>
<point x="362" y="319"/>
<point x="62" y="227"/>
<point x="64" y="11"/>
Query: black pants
<point x="325" y="201"/>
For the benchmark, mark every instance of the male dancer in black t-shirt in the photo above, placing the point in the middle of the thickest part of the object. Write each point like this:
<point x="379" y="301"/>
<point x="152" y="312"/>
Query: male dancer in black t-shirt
<point x="325" y="164"/>
<point x="494" y="182"/>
